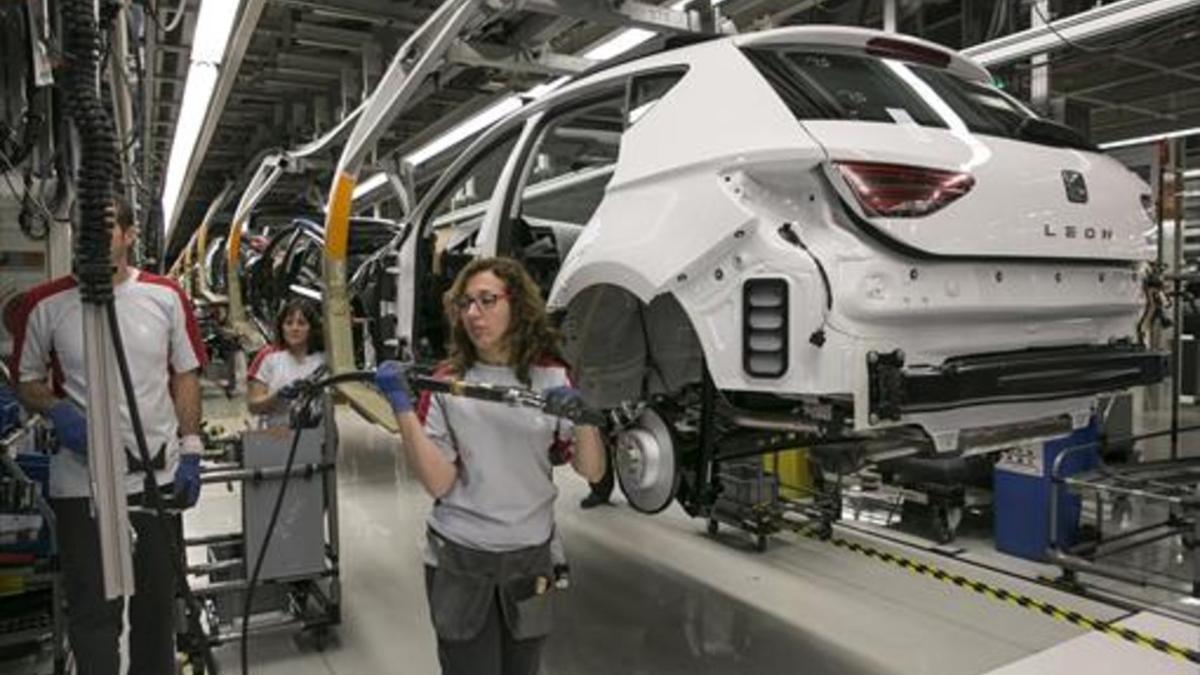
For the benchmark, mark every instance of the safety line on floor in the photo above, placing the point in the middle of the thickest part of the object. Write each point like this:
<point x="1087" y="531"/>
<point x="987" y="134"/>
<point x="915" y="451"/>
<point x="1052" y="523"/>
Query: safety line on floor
<point x="1018" y="599"/>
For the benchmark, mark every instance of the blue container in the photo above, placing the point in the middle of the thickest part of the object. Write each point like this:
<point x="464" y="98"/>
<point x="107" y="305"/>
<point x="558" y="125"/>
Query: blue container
<point x="10" y="411"/>
<point x="1022" y="494"/>
<point x="37" y="468"/>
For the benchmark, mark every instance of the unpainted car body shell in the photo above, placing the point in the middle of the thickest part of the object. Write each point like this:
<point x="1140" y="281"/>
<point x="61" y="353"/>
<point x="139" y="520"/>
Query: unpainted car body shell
<point x="707" y="177"/>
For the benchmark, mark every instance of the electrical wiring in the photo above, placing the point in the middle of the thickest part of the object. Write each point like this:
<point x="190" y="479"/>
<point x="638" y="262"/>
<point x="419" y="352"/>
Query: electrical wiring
<point x="97" y="166"/>
<point x="26" y="198"/>
<point x="180" y="11"/>
<point x="1118" y="47"/>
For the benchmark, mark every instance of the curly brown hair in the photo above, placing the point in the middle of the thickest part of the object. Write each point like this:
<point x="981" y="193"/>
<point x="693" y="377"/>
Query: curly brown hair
<point x="530" y="336"/>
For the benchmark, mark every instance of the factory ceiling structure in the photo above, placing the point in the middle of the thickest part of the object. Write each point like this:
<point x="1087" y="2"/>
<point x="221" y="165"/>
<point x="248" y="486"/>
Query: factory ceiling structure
<point x="306" y="64"/>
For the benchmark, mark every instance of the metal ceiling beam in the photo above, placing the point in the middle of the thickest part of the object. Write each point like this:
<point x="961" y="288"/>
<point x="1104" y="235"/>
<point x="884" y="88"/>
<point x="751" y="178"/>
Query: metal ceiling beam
<point x="1116" y="16"/>
<point x="517" y="61"/>
<point x="182" y="50"/>
<point x="238" y="42"/>
<point x="381" y="14"/>
<point x="1178" y="113"/>
<point x="1146" y="112"/>
<point x="630" y="14"/>
<point x="343" y="39"/>
<point x="321" y="64"/>
<point x="1158" y="68"/>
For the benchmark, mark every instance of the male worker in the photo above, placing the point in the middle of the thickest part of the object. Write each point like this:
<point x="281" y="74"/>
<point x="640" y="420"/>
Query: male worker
<point x="601" y="491"/>
<point x="164" y="350"/>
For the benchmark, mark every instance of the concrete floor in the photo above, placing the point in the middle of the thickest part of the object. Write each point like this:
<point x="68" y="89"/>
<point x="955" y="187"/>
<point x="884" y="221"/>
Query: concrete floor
<point x="656" y="595"/>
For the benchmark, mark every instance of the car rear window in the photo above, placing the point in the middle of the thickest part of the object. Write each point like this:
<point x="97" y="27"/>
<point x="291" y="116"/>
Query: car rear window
<point x="846" y="86"/>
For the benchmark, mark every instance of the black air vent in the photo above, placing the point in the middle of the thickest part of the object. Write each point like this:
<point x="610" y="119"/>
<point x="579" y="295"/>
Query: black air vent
<point x="765" y="327"/>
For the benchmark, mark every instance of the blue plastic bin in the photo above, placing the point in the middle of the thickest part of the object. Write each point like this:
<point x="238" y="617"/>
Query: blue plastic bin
<point x="1022" y="494"/>
<point x="37" y="468"/>
<point x="10" y="411"/>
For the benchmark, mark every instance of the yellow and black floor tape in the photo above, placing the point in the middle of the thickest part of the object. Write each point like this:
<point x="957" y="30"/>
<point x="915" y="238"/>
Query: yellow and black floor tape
<point x="1018" y="599"/>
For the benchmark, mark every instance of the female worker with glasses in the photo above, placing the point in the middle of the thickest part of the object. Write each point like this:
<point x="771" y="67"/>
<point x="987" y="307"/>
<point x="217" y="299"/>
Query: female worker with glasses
<point x="489" y="570"/>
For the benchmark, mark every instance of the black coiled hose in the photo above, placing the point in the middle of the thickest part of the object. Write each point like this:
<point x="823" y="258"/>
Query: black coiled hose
<point x="98" y="169"/>
<point x="98" y="156"/>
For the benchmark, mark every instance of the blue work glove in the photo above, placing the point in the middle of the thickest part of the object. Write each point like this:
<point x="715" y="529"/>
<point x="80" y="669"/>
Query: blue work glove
<point x="392" y="379"/>
<point x="187" y="480"/>
<point x="70" y="426"/>
<point x="290" y="392"/>
<point x="568" y="402"/>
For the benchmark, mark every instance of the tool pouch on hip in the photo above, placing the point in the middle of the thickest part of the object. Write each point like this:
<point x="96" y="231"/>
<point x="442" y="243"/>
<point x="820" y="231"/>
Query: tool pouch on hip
<point x="528" y="604"/>
<point x="461" y="593"/>
<point x="526" y="592"/>
<point x="467" y="581"/>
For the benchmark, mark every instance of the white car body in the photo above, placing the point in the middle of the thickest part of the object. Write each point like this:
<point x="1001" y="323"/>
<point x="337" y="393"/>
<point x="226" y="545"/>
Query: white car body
<point x="707" y="177"/>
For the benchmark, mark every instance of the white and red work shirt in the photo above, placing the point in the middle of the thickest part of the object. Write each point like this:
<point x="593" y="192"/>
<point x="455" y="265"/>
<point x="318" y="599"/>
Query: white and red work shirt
<point x="160" y="336"/>
<point x="276" y="368"/>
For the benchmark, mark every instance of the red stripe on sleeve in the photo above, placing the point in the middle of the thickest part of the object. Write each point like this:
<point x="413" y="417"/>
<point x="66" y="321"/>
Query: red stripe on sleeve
<point x="426" y="398"/>
<point x="25" y="307"/>
<point x="423" y="403"/>
<point x="252" y="371"/>
<point x="551" y="361"/>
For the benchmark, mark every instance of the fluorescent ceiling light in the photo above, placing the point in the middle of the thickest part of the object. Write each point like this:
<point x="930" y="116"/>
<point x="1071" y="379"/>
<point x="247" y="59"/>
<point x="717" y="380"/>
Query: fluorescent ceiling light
<point x="369" y="185"/>
<point x="470" y="127"/>
<point x="1149" y="139"/>
<point x="214" y="25"/>
<point x="201" y="80"/>
<point x="1192" y="173"/>
<point x="1076" y="28"/>
<point x="629" y="38"/>
<point x="543" y="89"/>
<point x="483" y="120"/>
<point x="618" y="44"/>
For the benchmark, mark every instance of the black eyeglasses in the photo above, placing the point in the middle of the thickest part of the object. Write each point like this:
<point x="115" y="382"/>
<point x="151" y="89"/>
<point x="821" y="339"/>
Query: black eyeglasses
<point x="485" y="300"/>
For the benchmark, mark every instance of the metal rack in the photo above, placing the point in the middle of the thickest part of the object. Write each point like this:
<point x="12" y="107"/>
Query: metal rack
<point x="49" y="624"/>
<point x="1169" y="488"/>
<point x="300" y="586"/>
<point x="748" y="500"/>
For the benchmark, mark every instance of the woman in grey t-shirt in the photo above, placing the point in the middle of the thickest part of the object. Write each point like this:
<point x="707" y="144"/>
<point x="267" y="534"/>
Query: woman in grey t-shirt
<point x="488" y="564"/>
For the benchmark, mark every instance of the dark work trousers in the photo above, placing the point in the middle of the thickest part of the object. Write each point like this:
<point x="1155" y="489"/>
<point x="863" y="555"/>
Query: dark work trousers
<point x="94" y="624"/>
<point x="604" y="488"/>
<point x="493" y="652"/>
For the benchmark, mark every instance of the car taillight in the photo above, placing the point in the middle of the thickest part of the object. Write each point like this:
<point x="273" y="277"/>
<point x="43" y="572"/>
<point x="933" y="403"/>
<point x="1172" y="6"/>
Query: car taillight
<point x="899" y="191"/>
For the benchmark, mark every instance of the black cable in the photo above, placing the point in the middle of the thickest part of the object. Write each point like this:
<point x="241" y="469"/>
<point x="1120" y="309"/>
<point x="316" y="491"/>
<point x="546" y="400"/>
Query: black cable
<point x="93" y="264"/>
<point x="244" y="648"/>
<point x="419" y="378"/>
<point x="151" y="490"/>
<point x="1105" y="49"/>
<point x="25" y="195"/>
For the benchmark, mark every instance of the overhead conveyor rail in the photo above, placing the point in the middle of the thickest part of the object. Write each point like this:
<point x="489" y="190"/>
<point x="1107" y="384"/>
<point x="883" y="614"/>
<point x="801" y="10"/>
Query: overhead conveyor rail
<point x="437" y="43"/>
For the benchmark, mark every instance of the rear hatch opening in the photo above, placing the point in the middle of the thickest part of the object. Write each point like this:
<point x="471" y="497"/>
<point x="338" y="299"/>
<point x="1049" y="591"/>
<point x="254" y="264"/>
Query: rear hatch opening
<point x="944" y="165"/>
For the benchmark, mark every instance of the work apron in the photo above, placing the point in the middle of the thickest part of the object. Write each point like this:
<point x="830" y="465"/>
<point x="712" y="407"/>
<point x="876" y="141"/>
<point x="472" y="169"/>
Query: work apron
<point x="467" y="580"/>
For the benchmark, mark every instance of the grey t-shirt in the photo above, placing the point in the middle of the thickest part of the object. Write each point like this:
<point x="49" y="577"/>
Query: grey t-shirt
<point x="503" y="498"/>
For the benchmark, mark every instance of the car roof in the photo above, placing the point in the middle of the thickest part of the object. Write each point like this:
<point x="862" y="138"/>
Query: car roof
<point x="647" y="58"/>
<point x="849" y="36"/>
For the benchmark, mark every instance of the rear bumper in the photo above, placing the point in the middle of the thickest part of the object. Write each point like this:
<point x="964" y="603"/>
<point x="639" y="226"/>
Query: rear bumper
<point x="1029" y="375"/>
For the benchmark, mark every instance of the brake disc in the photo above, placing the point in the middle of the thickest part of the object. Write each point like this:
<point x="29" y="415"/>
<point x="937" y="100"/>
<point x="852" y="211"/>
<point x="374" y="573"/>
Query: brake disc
<point x="646" y="465"/>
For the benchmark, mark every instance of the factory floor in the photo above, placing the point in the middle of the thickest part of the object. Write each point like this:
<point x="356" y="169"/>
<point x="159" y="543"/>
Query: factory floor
<point x="657" y="595"/>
